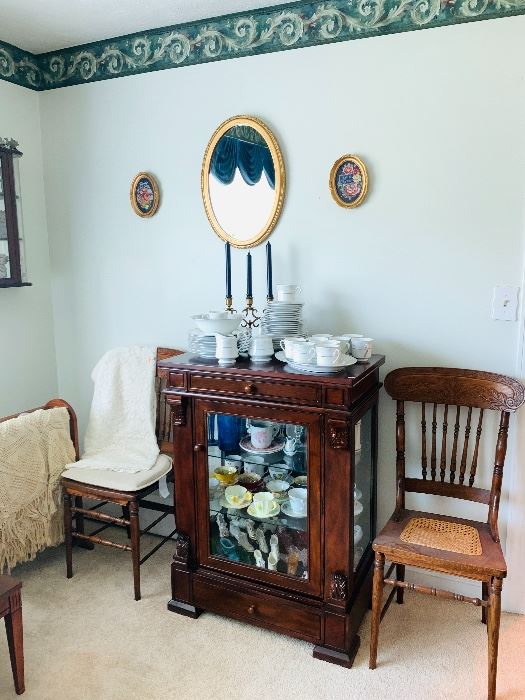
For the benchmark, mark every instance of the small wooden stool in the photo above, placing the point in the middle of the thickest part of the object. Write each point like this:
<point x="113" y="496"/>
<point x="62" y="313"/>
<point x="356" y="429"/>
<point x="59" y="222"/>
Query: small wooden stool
<point x="11" y="609"/>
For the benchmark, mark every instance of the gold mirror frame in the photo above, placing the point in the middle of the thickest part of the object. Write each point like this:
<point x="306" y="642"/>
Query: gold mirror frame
<point x="280" y="180"/>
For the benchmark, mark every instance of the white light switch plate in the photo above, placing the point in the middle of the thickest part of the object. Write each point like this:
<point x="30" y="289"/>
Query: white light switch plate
<point x="505" y="303"/>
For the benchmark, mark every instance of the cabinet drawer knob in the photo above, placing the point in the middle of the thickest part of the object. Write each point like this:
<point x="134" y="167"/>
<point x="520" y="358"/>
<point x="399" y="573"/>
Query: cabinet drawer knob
<point x="251" y="609"/>
<point x="198" y="448"/>
<point x="250" y="388"/>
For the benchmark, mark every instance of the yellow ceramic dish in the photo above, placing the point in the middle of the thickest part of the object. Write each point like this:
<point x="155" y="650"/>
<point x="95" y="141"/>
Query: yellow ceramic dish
<point x="226" y="475"/>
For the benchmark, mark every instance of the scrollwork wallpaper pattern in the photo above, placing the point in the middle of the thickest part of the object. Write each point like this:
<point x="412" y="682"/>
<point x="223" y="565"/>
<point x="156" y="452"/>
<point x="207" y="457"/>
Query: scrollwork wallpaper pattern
<point x="294" y="25"/>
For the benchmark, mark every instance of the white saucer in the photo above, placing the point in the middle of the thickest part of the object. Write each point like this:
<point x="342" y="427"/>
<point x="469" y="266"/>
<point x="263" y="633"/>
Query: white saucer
<point x="261" y="359"/>
<point x="358" y="534"/>
<point x="274" y="511"/>
<point x="358" y="508"/>
<point x="224" y="503"/>
<point x="344" y="362"/>
<point x="287" y="510"/>
<point x="276" y="446"/>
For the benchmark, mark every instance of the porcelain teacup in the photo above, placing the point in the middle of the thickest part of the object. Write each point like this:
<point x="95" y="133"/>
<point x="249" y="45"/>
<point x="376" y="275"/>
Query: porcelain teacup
<point x="263" y="503"/>
<point x="261" y="346"/>
<point x="298" y="500"/>
<point x="288" y="343"/>
<point x="278" y="487"/>
<point x="327" y="356"/>
<point x="237" y="495"/>
<point x="303" y="352"/>
<point x="278" y="471"/>
<point x="288" y="293"/>
<point x="362" y="348"/>
<point x="262" y="434"/>
<point x="226" y="350"/>
<point x="321" y="337"/>
<point x="254" y="468"/>
<point x="233" y="461"/>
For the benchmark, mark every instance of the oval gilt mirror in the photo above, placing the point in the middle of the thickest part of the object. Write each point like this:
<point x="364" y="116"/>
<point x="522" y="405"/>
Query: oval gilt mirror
<point x="243" y="181"/>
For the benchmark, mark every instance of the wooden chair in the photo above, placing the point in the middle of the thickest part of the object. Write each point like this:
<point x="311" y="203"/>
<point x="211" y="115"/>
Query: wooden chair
<point x="11" y="611"/>
<point x="449" y="545"/>
<point x="129" y="491"/>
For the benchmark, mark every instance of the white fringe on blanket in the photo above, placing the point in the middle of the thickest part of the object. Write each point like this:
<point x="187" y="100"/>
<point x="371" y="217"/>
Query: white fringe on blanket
<point x="34" y="449"/>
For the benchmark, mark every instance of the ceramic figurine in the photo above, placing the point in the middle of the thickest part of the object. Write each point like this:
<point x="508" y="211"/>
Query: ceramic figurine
<point x="228" y="547"/>
<point x="239" y="522"/>
<point x="241" y="537"/>
<point x="250" y="528"/>
<point x="223" y="528"/>
<point x="274" y="546"/>
<point x="293" y="561"/>
<point x="259" y="559"/>
<point x="261" y="539"/>
<point x="272" y="561"/>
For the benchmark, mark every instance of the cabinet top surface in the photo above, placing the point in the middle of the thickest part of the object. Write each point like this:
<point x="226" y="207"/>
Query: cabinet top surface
<point x="273" y="369"/>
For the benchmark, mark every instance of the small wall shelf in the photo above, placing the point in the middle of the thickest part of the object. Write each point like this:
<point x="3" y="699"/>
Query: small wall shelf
<point x="12" y="264"/>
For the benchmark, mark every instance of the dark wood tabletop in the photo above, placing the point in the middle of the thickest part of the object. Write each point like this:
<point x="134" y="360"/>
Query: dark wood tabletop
<point x="275" y="369"/>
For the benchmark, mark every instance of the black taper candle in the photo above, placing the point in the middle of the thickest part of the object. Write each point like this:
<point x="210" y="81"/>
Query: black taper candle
<point x="228" y="271"/>
<point x="249" y="275"/>
<point x="269" y="291"/>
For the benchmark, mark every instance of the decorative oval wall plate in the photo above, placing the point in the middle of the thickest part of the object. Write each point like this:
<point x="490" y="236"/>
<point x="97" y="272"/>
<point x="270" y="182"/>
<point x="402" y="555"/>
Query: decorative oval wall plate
<point x="144" y="195"/>
<point x="348" y="181"/>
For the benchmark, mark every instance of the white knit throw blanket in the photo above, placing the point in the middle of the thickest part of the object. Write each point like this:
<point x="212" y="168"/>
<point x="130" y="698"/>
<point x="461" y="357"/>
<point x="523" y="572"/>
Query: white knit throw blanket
<point x="34" y="450"/>
<point x="121" y="431"/>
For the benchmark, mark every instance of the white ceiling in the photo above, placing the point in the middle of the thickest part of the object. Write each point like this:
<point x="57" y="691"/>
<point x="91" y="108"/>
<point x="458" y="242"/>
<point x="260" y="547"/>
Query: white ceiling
<point x="47" y="25"/>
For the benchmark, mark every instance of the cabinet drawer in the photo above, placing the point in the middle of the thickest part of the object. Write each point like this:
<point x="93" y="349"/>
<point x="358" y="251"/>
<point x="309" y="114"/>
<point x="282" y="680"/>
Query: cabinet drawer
<point x="257" y="388"/>
<point x="259" y="609"/>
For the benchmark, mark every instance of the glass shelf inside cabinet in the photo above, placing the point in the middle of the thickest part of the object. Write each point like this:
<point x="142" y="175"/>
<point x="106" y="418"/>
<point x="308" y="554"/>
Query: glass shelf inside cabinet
<point x="362" y="487"/>
<point x="258" y="493"/>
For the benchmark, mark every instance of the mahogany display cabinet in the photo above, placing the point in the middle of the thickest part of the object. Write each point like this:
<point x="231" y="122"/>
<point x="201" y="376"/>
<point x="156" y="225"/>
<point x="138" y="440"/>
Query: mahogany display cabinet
<point x="302" y="572"/>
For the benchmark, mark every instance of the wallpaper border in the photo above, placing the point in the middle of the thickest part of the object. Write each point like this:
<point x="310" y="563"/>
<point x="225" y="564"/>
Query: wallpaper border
<point x="279" y="28"/>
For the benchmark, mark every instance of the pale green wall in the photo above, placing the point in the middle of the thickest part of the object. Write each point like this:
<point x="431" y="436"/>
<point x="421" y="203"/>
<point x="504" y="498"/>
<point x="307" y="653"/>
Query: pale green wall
<point x="28" y="375"/>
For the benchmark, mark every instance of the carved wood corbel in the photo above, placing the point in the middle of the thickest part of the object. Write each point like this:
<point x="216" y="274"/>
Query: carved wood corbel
<point x="178" y="409"/>
<point x="339" y="434"/>
<point x="338" y="586"/>
<point x="182" y="548"/>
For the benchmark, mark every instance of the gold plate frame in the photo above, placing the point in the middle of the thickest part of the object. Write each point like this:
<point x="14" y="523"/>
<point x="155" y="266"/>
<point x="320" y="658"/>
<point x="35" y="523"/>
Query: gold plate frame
<point x="280" y="180"/>
<point x="364" y="188"/>
<point x="156" y="195"/>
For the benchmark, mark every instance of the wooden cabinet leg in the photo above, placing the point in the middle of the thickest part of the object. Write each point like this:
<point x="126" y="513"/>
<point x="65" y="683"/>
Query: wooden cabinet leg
<point x="484" y="596"/>
<point x="135" y="545"/>
<point x="377" y="599"/>
<point x="400" y="576"/>
<point x="67" y="534"/>
<point x="494" y="614"/>
<point x="15" y="641"/>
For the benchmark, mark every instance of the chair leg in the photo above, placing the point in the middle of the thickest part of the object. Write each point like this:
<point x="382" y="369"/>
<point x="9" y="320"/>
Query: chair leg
<point x="494" y="614"/>
<point x="377" y="597"/>
<point x="67" y="533"/>
<point x="125" y="514"/>
<point x="484" y="596"/>
<point x="135" y="545"/>
<point x="400" y="576"/>
<point x="15" y="642"/>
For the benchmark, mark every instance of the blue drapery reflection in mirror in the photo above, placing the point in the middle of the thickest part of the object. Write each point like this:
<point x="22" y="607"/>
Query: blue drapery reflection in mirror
<point x="245" y="149"/>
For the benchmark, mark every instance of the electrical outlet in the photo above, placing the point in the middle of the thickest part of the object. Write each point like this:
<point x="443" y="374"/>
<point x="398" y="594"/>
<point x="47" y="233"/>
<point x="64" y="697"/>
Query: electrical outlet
<point x="505" y="303"/>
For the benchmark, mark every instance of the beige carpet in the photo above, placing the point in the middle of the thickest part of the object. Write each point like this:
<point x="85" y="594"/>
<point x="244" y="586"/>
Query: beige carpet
<point x="87" y="639"/>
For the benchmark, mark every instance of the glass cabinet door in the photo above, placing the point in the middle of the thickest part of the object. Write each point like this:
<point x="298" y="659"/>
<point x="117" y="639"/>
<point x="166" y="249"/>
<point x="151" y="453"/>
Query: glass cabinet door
<point x="363" y="486"/>
<point x="258" y="501"/>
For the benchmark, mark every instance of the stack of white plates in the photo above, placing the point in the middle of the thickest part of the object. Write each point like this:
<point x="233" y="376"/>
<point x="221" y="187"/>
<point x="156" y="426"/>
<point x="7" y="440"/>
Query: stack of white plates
<point x="204" y="346"/>
<point x="282" y="320"/>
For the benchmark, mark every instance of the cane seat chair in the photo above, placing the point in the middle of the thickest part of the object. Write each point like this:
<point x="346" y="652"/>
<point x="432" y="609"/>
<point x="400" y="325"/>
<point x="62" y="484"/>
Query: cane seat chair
<point x="127" y="490"/>
<point x="455" y="546"/>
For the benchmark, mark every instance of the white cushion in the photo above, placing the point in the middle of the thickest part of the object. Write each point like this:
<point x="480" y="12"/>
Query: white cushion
<point x="121" y="481"/>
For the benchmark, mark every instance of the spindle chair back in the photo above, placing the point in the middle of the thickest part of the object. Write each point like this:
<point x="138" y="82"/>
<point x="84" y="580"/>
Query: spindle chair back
<point x="452" y="406"/>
